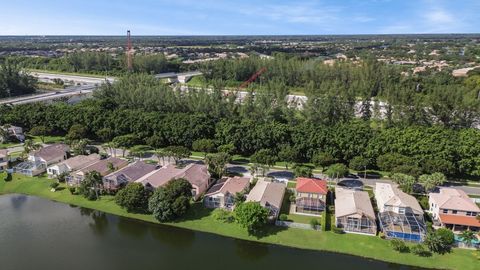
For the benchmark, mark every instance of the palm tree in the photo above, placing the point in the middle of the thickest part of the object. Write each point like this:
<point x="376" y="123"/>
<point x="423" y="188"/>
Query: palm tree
<point x="254" y="169"/>
<point x="109" y="147"/>
<point x="30" y="146"/>
<point x="468" y="237"/>
<point x="4" y="134"/>
<point x="161" y="154"/>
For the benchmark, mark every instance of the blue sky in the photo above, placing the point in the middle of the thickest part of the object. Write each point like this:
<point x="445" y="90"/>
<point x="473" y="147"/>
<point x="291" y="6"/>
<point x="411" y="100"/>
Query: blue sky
<point x="238" y="17"/>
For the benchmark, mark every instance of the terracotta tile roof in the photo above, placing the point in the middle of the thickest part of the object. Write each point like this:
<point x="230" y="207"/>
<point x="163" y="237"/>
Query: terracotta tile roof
<point x="311" y="185"/>
<point x="460" y="220"/>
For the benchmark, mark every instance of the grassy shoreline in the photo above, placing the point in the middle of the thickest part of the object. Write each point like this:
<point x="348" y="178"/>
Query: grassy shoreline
<point x="199" y="219"/>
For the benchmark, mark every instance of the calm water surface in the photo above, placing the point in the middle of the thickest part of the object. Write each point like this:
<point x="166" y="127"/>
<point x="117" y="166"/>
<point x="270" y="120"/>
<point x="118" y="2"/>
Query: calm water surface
<point x="40" y="234"/>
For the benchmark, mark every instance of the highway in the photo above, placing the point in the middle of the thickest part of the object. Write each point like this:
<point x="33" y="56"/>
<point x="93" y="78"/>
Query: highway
<point x="76" y="79"/>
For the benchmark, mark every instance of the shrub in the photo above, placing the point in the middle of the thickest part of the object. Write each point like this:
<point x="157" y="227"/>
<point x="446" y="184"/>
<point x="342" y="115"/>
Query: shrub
<point x="54" y="185"/>
<point x="447" y="236"/>
<point x="421" y="251"/>
<point x="134" y="198"/>
<point x="337" y="230"/>
<point x="223" y="215"/>
<point x="399" y="245"/>
<point x="283" y="217"/>
<point x="8" y="177"/>
<point x="72" y="190"/>
<point x="314" y="223"/>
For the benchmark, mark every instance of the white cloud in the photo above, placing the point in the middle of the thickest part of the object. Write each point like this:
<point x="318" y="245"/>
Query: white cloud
<point x="439" y="16"/>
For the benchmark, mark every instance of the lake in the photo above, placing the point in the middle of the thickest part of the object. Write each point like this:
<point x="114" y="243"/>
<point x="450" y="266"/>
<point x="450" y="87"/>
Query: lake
<point x="37" y="233"/>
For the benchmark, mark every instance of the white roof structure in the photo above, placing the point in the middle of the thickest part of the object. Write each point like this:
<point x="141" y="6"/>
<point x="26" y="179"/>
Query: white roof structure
<point x="453" y="199"/>
<point x="349" y="202"/>
<point x="388" y="194"/>
<point x="79" y="162"/>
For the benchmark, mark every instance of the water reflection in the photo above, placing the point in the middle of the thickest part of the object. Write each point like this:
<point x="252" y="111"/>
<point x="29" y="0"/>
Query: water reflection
<point x="18" y="201"/>
<point x="99" y="223"/>
<point x="173" y="237"/>
<point x="250" y="251"/>
<point x="131" y="228"/>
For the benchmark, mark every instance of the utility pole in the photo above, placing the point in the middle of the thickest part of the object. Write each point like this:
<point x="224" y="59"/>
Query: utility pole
<point x="129" y="53"/>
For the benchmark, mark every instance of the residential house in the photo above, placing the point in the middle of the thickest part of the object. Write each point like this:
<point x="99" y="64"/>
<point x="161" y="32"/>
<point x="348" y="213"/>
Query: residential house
<point x="3" y="159"/>
<point x="14" y="132"/>
<point x="310" y="196"/>
<point x="269" y="195"/>
<point x="400" y="214"/>
<point x="72" y="164"/>
<point x="196" y="174"/>
<point x="452" y="208"/>
<point x="354" y="212"/>
<point x="104" y="167"/>
<point x="222" y="194"/>
<point x="39" y="160"/>
<point x="128" y="174"/>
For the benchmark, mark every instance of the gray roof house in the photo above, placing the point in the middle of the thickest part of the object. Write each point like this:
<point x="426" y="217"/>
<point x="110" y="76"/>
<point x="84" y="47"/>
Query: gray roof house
<point x="128" y="174"/>
<point x="104" y="167"/>
<point x="269" y="195"/>
<point x="222" y="194"/>
<point x="39" y="160"/>
<point x="72" y="164"/>
<point x="196" y="174"/>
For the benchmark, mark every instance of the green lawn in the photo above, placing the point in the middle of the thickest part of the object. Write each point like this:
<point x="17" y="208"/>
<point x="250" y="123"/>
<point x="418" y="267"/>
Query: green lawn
<point x="49" y="139"/>
<point x="200" y="219"/>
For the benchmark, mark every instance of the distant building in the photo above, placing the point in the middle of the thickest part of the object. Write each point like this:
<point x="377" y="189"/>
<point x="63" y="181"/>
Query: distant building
<point x="463" y="72"/>
<point x="15" y="132"/>
<point x="269" y="195"/>
<point x="222" y="194"/>
<point x="452" y="208"/>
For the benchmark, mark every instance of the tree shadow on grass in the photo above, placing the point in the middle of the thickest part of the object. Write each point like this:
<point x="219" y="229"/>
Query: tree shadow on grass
<point x="197" y="211"/>
<point x="267" y="230"/>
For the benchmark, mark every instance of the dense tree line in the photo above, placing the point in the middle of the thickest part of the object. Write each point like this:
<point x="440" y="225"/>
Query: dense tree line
<point x="153" y="114"/>
<point x="381" y="89"/>
<point x="99" y="63"/>
<point x="14" y="82"/>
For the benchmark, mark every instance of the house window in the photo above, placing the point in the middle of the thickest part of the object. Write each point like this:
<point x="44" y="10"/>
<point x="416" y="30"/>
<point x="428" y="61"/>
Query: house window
<point x="454" y="211"/>
<point x="401" y="210"/>
<point x="445" y="211"/>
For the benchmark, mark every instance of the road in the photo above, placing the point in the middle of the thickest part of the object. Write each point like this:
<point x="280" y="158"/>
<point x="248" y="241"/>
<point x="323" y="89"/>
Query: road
<point x="76" y="79"/>
<point x="69" y="93"/>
